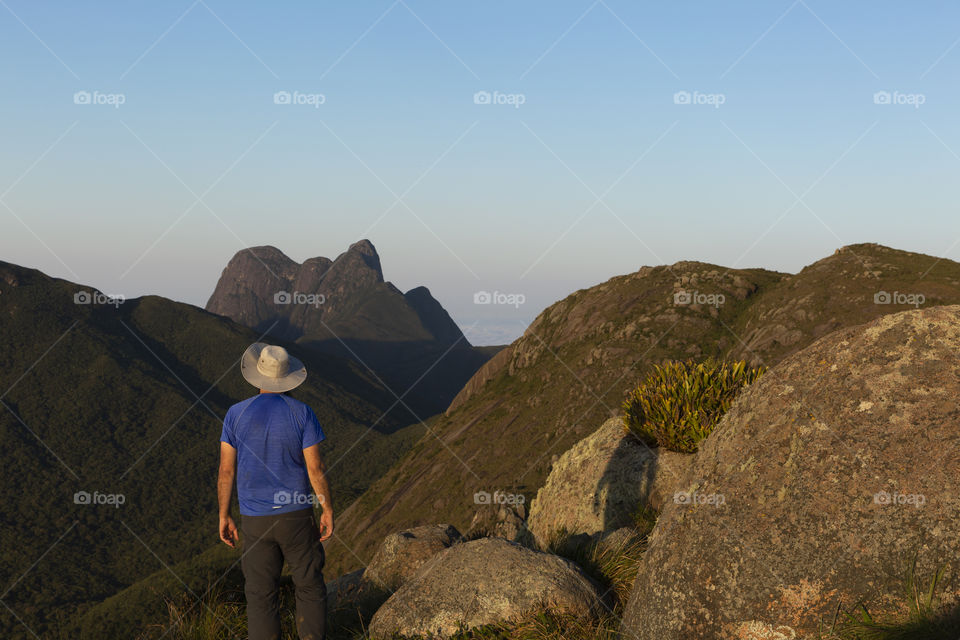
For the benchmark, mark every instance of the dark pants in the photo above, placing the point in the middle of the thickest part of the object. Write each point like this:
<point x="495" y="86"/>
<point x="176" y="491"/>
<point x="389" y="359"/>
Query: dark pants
<point x="267" y="542"/>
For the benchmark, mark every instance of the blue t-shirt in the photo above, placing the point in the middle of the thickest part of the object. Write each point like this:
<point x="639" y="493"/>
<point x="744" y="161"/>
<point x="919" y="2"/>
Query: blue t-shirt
<point x="270" y="432"/>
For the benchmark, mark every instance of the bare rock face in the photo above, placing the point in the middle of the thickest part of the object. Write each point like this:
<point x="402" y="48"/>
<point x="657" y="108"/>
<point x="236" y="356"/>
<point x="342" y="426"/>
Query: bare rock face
<point x="345" y="308"/>
<point x="258" y="286"/>
<point x="816" y="489"/>
<point x="261" y="288"/>
<point x="507" y="521"/>
<point x="401" y="554"/>
<point x="599" y="483"/>
<point x="483" y="582"/>
<point x="246" y="289"/>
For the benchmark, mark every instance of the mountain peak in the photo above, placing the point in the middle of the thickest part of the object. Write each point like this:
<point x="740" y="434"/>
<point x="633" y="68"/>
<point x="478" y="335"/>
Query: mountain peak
<point x="367" y="254"/>
<point x="363" y="246"/>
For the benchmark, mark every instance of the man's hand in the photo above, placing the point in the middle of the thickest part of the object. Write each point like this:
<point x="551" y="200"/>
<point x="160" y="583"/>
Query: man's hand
<point x="228" y="531"/>
<point x="318" y="479"/>
<point x="326" y="524"/>
<point x="227" y="474"/>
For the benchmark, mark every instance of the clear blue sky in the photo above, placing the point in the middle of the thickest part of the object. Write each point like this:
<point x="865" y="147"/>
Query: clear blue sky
<point x="154" y="195"/>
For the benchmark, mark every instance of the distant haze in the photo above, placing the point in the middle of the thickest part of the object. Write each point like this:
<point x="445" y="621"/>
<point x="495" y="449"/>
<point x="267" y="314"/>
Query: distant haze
<point x="529" y="149"/>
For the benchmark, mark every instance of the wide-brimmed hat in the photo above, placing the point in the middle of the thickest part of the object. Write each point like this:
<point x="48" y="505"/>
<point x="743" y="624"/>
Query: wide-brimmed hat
<point x="271" y="368"/>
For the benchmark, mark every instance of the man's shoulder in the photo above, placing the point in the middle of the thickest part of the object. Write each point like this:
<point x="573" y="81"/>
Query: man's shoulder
<point x="298" y="405"/>
<point x="238" y="408"/>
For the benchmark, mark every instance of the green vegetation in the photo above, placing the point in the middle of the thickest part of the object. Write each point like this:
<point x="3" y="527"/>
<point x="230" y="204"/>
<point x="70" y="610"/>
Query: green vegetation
<point x="545" y="625"/>
<point x="571" y="369"/>
<point x="680" y="402"/>
<point x="612" y="564"/>
<point x="128" y="401"/>
<point x="926" y="617"/>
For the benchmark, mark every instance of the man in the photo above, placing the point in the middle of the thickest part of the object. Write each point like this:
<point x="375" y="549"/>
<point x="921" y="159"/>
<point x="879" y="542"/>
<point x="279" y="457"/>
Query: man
<point x="270" y="444"/>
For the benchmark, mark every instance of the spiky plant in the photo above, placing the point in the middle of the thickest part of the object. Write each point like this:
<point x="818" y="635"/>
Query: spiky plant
<point x="680" y="402"/>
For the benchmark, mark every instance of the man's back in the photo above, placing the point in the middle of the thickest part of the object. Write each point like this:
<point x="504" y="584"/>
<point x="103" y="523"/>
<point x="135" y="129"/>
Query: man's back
<point x="270" y="447"/>
<point x="270" y="432"/>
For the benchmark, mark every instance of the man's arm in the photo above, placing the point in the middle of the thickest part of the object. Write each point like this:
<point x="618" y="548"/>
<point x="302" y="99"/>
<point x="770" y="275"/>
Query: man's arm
<point x="318" y="480"/>
<point x="226" y="477"/>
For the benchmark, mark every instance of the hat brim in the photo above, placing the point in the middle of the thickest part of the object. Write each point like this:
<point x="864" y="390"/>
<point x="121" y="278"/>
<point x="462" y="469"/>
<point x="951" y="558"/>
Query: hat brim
<point x="248" y="367"/>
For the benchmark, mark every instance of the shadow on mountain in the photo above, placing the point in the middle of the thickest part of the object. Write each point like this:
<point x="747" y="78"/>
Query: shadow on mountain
<point x="424" y="375"/>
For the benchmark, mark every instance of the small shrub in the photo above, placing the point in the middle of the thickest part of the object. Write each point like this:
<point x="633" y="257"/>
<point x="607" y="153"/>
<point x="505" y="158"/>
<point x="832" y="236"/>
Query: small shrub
<point x="926" y="618"/>
<point x="644" y="519"/>
<point x="680" y="402"/>
<point x="613" y="565"/>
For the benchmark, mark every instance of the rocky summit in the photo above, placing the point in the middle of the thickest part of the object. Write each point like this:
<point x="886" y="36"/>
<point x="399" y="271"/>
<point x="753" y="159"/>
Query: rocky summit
<point x="345" y="307"/>
<point x="600" y="482"/>
<point x="816" y="491"/>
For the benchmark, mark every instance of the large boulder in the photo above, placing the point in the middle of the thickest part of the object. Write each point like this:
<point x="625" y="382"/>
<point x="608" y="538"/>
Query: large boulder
<point x="348" y="589"/>
<point x="506" y="521"/>
<point x="815" y="490"/>
<point x="401" y="554"/>
<point x="598" y="484"/>
<point x="483" y="582"/>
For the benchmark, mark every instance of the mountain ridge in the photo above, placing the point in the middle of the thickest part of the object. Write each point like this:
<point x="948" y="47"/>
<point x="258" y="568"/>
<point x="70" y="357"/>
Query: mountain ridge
<point x="346" y="307"/>
<point x="574" y="364"/>
<point x="125" y="398"/>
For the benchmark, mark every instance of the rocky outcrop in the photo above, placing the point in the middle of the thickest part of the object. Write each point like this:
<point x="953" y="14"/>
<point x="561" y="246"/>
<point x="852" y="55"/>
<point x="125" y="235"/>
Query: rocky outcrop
<point x="482" y="582"/>
<point x="507" y="521"/>
<point x="261" y="287"/>
<point x="346" y="589"/>
<point x="345" y="308"/>
<point x="401" y="554"/>
<point x="576" y="362"/>
<point x="816" y="489"/>
<point x="600" y="482"/>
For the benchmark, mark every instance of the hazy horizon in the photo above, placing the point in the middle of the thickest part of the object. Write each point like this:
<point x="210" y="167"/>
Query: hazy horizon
<point x="532" y="150"/>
